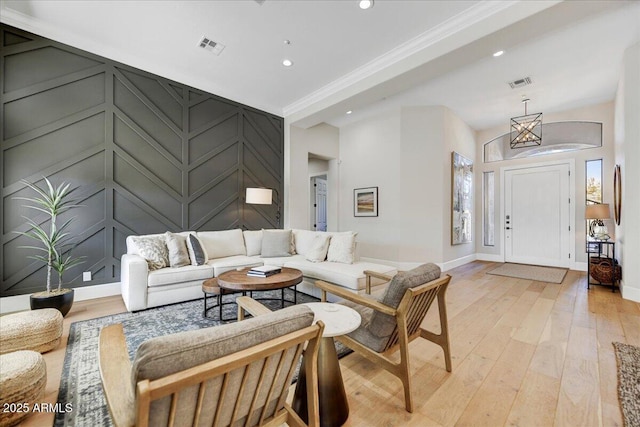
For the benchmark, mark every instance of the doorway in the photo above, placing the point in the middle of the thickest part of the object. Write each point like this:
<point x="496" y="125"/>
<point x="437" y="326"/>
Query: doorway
<point x="537" y="215"/>
<point x="318" y="210"/>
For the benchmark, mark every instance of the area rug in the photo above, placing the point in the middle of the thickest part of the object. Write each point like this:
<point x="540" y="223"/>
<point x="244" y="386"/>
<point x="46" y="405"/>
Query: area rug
<point x="530" y="272"/>
<point x="80" y="385"/>
<point x="628" y="358"/>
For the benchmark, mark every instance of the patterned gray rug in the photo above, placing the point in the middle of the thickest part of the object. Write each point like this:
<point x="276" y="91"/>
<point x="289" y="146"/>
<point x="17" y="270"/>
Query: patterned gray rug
<point x="530" y="272"/>
<point x="628" y="357"/>
<point x="80" y="382"/>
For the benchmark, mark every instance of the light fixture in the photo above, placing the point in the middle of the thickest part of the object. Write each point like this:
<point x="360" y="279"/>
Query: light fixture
<point x="287" y="62"/>
<point x="498" y="53"/>
<point x="366" y="4"/>
<point x="263" y="196"/>
<point x="349" y="112"/>
<point x="526" y="131"/>
<point x="597" y="213"/>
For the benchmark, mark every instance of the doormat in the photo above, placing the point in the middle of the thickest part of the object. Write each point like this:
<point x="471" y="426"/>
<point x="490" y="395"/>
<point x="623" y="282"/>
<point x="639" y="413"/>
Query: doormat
<point x="531" y="272"/>
<point x="80" y="384"/>
<point x="628" y="358"/>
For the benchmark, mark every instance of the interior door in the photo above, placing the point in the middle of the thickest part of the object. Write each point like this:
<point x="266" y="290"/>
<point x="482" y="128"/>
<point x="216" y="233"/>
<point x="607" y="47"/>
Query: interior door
<point x="321" y="204"/>
<point x="537" y="216"/>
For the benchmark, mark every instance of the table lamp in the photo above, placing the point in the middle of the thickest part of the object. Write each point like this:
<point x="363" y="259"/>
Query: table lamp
<point x="597" y="213"/>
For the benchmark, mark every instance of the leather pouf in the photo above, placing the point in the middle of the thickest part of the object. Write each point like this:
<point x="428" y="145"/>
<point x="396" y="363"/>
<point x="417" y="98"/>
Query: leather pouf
<point x="23" y="377"/>
<point x="37" y="330"/>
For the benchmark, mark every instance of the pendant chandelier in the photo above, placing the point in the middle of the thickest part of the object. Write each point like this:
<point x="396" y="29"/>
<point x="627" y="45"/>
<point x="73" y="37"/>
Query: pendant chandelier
<point x="526" y="131"/>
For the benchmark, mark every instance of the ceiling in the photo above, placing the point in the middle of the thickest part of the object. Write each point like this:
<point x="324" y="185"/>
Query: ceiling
<point x="398" y="53"/>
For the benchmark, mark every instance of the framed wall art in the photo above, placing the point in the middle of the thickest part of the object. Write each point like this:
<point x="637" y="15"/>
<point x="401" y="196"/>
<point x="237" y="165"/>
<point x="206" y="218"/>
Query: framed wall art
<point x="365" y="201"/>
<point x="462" y="199"/>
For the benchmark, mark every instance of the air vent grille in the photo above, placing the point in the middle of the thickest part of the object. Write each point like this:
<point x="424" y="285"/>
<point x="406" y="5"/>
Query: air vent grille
<point x="520" y="82"/>
<point x="207" y="44"/>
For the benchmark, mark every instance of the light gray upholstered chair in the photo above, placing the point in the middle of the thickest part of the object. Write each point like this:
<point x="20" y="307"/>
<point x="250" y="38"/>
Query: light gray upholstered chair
<point x="391" y="322"/>
<point x="236" y="374"/>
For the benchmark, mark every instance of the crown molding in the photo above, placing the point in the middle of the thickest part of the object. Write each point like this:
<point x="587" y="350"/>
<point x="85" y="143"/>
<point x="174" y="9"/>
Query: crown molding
<point x="472" y="16"/>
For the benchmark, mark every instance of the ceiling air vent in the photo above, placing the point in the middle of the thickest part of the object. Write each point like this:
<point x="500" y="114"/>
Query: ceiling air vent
<point x="520" y="82"/>
<point x="259" y="2"/>
<point x="207" y="44"/>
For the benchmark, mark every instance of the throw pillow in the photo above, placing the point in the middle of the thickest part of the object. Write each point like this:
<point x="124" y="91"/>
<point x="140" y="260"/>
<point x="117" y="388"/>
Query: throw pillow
<point x="197" y="253"/>
<point x="178" y="252"/>
<point x="153" y="250"/>
<point x="342" y="248"/>
<point x="276" y="243"/>
<point x="253" y="242"/>
<point x="318" y="250"/>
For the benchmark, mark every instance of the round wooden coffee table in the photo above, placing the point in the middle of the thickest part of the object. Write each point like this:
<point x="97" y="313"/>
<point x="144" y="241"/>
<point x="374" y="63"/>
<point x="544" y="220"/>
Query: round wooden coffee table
<point x="238" y="281"/>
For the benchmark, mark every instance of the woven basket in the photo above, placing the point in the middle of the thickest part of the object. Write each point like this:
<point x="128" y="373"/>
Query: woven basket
<point x="605" y="270"/>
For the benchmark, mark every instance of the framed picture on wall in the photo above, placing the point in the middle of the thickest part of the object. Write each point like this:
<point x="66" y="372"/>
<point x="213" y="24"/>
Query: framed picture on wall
<point x="462" y="199"/>
<point x="365" y="201"/>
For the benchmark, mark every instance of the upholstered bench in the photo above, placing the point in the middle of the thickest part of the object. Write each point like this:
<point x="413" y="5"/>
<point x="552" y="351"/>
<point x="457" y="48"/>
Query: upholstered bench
<point x="23" y="377"/>
<point x="37" y="330"/>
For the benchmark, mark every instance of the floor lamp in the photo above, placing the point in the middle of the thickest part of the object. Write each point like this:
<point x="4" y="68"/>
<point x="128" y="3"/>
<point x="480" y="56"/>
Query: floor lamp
<point x="263" y="196"/>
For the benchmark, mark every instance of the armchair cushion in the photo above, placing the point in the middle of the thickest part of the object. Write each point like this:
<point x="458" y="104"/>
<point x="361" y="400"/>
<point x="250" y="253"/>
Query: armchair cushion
<point x="382" y="325"/>
<point x="162" y="356"/>
<point x="363" y="335"/>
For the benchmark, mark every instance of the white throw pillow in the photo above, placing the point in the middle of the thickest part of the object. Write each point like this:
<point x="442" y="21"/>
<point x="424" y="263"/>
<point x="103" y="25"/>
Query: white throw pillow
<point x="318" y="250"/>
<point x="153" y="250"/>
<point x="342" y="247"/>
<point x="220" y="244"/>
<point x="276" y="243"/>
<point x="178" y="252"/>
<point x="303" y="239"/>
<point x="253" y="242"/>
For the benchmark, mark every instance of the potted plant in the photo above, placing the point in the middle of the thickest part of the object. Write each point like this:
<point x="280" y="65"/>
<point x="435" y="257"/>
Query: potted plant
<point x="54" y="244"/>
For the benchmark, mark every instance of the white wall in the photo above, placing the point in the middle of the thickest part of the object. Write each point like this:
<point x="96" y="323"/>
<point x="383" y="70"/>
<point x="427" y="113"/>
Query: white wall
<point x="406" y="153"/>
<point x="598" y="113"/>
<point x="627" y="155"/>
<point x="321" y="141"/>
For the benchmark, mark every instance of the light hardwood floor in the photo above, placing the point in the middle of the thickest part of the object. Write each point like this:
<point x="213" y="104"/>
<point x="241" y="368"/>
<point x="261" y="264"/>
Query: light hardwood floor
<point x="524" y="353"/>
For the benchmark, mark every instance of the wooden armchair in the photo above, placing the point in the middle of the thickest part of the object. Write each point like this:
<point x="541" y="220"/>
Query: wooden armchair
<point x="392" y="322"/>
<point x="229" y="375"/>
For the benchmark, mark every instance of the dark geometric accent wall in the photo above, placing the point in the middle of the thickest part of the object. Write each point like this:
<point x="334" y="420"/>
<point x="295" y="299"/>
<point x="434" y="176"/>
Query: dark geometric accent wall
<point x="147" y="155"/>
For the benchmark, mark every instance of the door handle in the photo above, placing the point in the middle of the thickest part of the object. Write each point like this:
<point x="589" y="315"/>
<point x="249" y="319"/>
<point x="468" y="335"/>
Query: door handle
<point x="508" y="228"/>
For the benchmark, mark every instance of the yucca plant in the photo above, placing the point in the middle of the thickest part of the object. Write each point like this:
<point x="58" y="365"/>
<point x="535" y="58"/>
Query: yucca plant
<point x="55" y="242"/>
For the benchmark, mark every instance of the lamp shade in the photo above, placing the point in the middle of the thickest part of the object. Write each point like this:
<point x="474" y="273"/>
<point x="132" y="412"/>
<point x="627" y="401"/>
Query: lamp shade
<point x="259" y="196"/>
<point x="599" y="211"/>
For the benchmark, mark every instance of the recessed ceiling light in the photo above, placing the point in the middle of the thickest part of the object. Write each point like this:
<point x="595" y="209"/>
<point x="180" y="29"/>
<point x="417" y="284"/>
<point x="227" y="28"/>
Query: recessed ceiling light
<point x="349" y="112"/>
<point x="287" y="62"/>
<point x="498" y="53"/>
<point x="366" y="4"/>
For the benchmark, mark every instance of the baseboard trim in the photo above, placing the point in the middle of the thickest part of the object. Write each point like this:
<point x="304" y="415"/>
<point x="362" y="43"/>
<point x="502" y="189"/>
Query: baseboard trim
<point x="629" y="292"/>
<point x="489" y="257"/>
<point x="21" y="302"/>
<point x="449" y="265"/>
<point x="580" y="266"/>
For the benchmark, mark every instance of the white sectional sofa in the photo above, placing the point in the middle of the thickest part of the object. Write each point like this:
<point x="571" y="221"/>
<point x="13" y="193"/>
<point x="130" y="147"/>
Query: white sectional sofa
<point x="227" y="250"/>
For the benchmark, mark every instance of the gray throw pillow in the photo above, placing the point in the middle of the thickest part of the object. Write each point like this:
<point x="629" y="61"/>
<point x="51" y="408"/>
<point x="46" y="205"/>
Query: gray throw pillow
<point x="197" y="252"/>
<point x="178" y="252"/>
<point x="276" y="243"/>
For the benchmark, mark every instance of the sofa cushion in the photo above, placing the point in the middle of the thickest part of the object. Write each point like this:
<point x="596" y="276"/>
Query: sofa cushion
<point x="170" y="276"/>
<point x="178" y="252"/>
<point x="253" y="242"/>
<point x="197" y="252"/>
<point x="318" y="250"/>
<point x="350" y="276"/>
<point x="222" y="265"/>
<point x="220" y="244"/>
<point x="276" y="243"/>
<point x="280" y="261"/>
<point x="342" y="248"/>
<point x="153" y="249"/>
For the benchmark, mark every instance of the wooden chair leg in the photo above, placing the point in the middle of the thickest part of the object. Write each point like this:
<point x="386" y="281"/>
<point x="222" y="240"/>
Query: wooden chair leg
<point x="404" y="371"/>
<point x="444" y="328"/>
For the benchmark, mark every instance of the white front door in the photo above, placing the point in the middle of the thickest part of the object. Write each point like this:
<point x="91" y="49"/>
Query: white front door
<point x="537" y="215"/>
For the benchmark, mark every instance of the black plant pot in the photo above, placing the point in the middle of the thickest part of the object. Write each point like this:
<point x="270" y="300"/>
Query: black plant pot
<point x="60" y="301"/>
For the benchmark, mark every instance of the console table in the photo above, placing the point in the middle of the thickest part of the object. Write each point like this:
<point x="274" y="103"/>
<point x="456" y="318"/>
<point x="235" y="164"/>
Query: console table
<point x="602" y="265"/>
